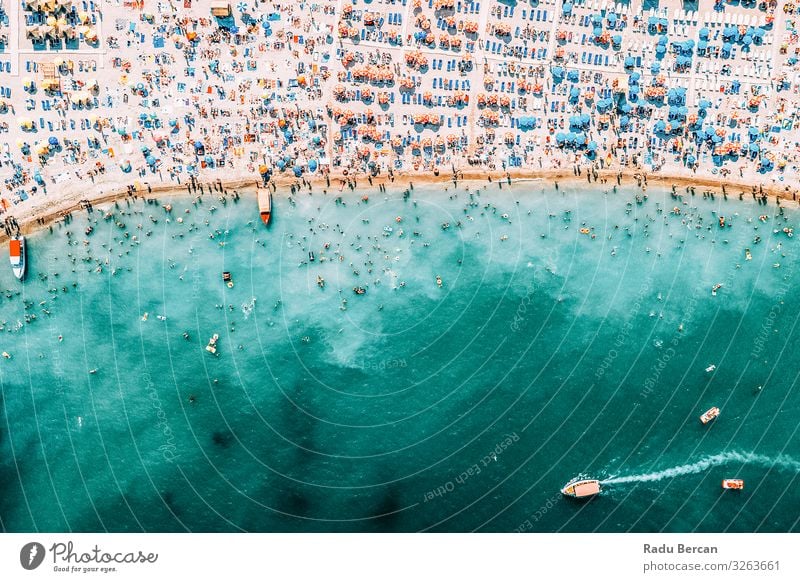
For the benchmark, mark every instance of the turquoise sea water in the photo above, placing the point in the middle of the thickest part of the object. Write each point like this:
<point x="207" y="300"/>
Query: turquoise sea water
<point x="545" y="354"/>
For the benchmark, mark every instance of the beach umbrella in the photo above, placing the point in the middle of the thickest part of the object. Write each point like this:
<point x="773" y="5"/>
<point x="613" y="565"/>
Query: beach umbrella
<point x="597" y="31"/>
<point x="561" y="137"/>
<point x="662" y="41"/>
<point x="574" y="93"/>
<point x="704" y="33"/>
<point x="704" y="103"/>
<point x="634" y="78"/>
<point x="298" y="171"/>
<point x="126" y="166"/>
<point x="660" y="126"/>
<point x="281" y="164"/>
<point x="558" y="72"/>
<point x="612" y="18"/>
<point x="747" y="40"/>
<point x="655" y="68"/>
<point x="754" y="148"/>
<point x="629" y="62"/>
<point x="726" y="48"/>
<point x="567" y="8"/>
<point x="151" y="161"/>
<point x="209" y="160"/>
<point x="702" y="45"/>
<point x="573" y="76"/>
<point x="616" y="39"/>
<point x="585" y="119"/>
<point x="690" y="159"/>
<point x="625" y="108"/>
<point x="660" y="50"/>
<point x="52" y="140"/>
<point x="592" y="146"/>
<point x="624" y="121"/>
<point x="312" y="165"/>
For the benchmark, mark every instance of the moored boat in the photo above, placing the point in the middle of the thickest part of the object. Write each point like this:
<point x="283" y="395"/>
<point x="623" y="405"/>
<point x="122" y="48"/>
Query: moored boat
<point x="709" y="415"/>
<point x="732" y="484"/>
<point x="265" y="204"/>
<point x="16" y="253"/>
<point x="581" y="488"/>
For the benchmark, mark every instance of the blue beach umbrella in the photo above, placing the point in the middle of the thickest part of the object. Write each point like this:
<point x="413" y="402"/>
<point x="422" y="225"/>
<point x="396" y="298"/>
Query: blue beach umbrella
<point x="629" y="62"/>
<point x="597" y="31"/>
<point x="312" y="165"/>
<point x="567" y="8"/>
<point x="624" y="121"/>
<point x="634" y="78"/>
<point x="561" y="137"/>
<point x="655" y="68"/>
<point x="690" y="159"/>
<point x="151" y="161"/>
<point x="209" y="160"/>
<point x="612" y="18"/>
<point x="704" y="33"/>
<point x="660" y="50"/>
<point x="298" y="171"/>
<point x="754" y="148"/>
<point x="592" y="146"/>
<point x="558" y="72"/>
<point x="616" y="39"/>
<point x="280" y="164"/>
<point x="660" y="126"/>
<point x="573" y="76"/>
<point x="52" y="140"/>
<point x="574" y="94"/>
<point x="585" y="119"/>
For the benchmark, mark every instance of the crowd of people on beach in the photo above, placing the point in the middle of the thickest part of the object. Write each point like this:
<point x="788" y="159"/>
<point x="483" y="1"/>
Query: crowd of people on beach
<point x="119" y="94"/>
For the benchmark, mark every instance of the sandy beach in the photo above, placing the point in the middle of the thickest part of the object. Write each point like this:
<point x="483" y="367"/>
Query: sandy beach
<point x="104" y="99"/>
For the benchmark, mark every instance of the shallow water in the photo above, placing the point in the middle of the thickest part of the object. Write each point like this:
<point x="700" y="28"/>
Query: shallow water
<point x="545" y="354"/>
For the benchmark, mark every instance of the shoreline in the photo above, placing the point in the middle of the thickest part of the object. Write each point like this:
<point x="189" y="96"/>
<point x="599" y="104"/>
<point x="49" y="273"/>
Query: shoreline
<point x="36" y="218"/>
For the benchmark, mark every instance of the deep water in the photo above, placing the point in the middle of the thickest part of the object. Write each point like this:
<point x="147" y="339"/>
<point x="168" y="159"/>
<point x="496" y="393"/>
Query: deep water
<point x="545" y="354"/>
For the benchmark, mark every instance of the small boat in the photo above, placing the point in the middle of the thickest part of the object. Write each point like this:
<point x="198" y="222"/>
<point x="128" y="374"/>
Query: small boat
<point x="226" y="276"/>
<point x="709" y="415"/>
<point x="748" y="255"/>
<point x="17" y="256"/>
<point x="212" y="344"/>
<point x="359" y="290"/>
<point x="320" y="282"/>
<point x="311" y="256"/>
<point x="581" y="488"/>
<point x="711" y="368"/>
<point x="265" y="204"/>
<point x="716" y="288"/>
<point x="733" y="484"/>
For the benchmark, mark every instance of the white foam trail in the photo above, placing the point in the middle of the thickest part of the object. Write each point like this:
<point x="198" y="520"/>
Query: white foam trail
<point x="781" y="461"/>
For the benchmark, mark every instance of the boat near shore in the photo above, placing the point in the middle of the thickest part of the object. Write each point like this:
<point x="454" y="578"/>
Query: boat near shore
<point x="16" y="251"/>
<point x="265" y="205"/>
<point x="581" y="488"/>
<point x="733" y="484"/>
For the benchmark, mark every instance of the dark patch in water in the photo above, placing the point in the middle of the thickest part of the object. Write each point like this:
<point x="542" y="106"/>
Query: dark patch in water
<point x="223" y="438"/>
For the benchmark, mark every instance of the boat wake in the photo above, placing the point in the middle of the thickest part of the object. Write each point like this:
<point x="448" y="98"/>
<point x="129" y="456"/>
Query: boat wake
<point x="779" y="462"/>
